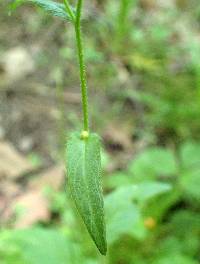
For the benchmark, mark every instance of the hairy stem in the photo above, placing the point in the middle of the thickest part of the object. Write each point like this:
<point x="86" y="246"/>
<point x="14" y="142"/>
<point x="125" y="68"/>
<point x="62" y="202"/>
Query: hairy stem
<point x="69" y="10"/>
<point x="82" y="65"/>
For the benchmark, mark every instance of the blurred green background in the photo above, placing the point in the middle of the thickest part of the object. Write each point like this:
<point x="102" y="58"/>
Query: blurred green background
<point x="143" y="67"/>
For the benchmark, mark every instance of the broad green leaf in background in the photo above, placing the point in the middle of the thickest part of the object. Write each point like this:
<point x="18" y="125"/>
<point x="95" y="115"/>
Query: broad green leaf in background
<point x="153" y="162"/>
<point x="190" y="155"/>
<point x="118" y="179"/>
<point x="52" y="7"/>
<point x="148" y="190"/>
<point x="37" y="246"/>
<point x="123" y="214"/>
<point x="84" y="173"/>
<point x="157" y="208"/>
<point x="190" y="182"/>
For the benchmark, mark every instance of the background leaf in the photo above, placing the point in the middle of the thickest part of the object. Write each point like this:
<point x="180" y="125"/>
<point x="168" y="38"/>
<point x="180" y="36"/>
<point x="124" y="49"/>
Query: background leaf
<point x="153" y="162"/>
<point x="148" y="190"/>
<point x="52" y="7"/>
<point x="190" y="155"/>
<point x="190" y="182"/>
<point x="35" y="246"/>
<point x="123" y="214"/>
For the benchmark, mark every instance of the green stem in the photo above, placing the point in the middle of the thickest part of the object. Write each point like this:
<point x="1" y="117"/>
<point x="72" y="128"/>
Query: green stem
<point x="69" y="11"/>
<point x="82" y="65"/>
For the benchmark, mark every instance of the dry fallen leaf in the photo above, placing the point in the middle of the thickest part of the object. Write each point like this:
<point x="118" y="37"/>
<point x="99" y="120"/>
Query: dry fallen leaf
<point x="12" y="163"/>
<point x="8" y="191"/>
<point x="34" y="208"/>
<point x="53" y="177"/>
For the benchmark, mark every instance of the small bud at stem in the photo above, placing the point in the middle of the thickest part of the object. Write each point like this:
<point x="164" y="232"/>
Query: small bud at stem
<point x="84" y="134"/>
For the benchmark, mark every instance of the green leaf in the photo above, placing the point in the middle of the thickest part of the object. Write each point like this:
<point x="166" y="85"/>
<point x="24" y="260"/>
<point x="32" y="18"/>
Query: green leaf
<point x="190" y="182"/>
<point x="190" y="155"/>
<point x="122" y="215"/>
<point x="84" y="173"/>
<point x="153" y="162"/>
<point x="37" y="246"/>
<point x="148" y="190"/>
<point x="118" y="179"/>
<point x="52" y="7"/>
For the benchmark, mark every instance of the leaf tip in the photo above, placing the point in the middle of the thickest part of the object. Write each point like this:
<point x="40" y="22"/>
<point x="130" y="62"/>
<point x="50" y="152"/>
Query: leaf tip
<point x="103" y="250"/>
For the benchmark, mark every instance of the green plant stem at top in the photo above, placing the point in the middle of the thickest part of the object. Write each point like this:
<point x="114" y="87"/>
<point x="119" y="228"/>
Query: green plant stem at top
<point x="81" y="65"/>
<point x="76" y="19"/>
<point x="69" y="10"/>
